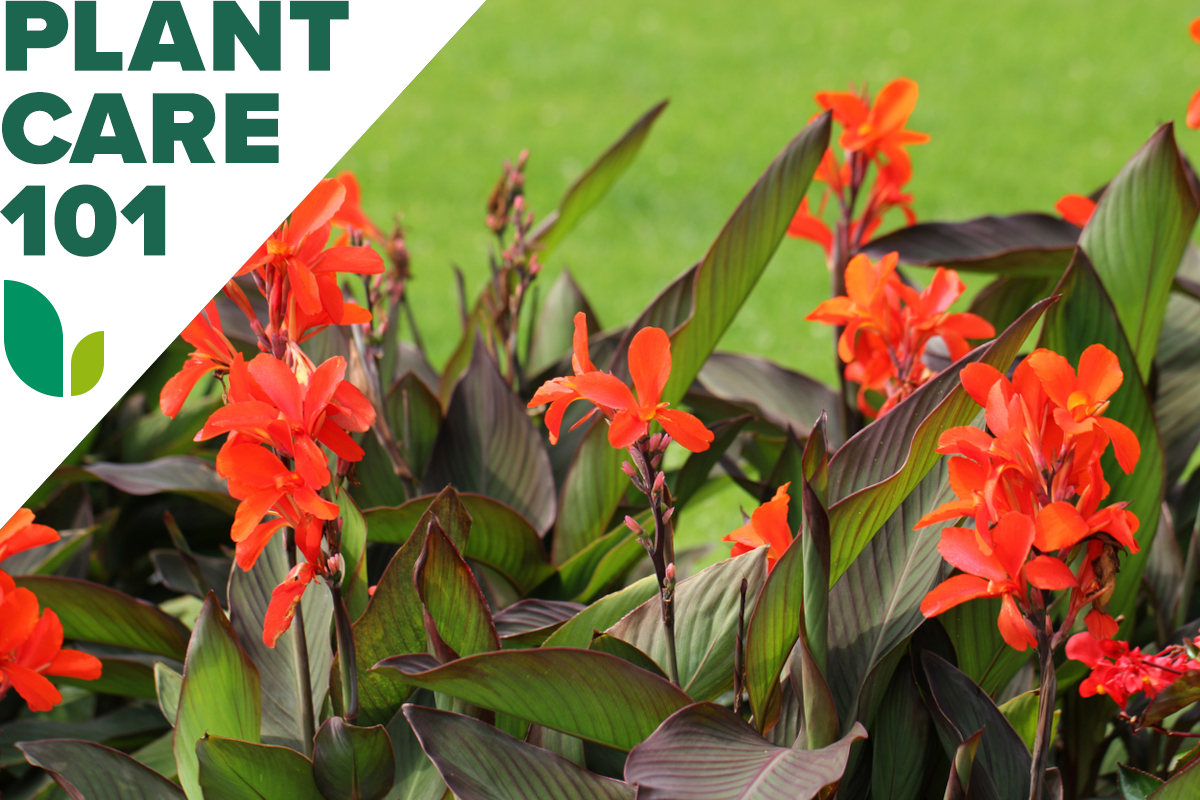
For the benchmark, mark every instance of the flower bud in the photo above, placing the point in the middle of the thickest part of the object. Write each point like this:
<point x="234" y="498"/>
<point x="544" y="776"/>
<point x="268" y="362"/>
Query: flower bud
<point x="628" y="469"/>
<point x="670" y="512"/>
<point x="660" y="480"/>
<point x="633" y="525"/>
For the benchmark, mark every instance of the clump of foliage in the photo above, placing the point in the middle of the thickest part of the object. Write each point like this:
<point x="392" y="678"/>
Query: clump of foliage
<point x="317" y="567"/>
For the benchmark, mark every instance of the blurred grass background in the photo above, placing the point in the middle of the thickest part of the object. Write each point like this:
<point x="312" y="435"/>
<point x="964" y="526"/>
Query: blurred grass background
<point x="1025" y="100"/>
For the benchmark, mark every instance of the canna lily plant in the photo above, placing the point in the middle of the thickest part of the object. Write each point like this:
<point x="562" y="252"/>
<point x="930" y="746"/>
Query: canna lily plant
<point x="965" y="571"/>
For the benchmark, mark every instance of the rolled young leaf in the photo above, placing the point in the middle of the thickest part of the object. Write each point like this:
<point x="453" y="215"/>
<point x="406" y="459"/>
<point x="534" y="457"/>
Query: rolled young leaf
<point x="771" y="633"/>
<point x="593" y="696"/>
<point x="353" y="763"/>
<point x="480" y="762"/>
<point x="456" y="614"/>
<point x="220" y="694"/>
<point x="705" y="752"/>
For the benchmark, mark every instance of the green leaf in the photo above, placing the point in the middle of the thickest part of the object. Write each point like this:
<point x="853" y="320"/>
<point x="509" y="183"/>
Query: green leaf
<point x="960" y="709"/>
<point x="774" y="394"/>
<point x="703" y="302"/>
<point x="594" y="183"/>
<point x="220" y="694"/>
<point x="33" y="338"/>
<point x="87" y="363"/>
<point x="186" y="475"/>
<point x="602" y="614"/>
<point x="119" y="676"/>
<point x="815" y="545"/>
<point x="871" y="474"/>
<point x="705" y="752"/>
<point x="962" y="767"/>
<point x="352" y="763"/>
<point x="235" y="770"/>
<point x="279" y="667"/>
<point x="178" y="572"/>
<point x="982" y="652"/>
<point x="1005" y="299"/>
<point x="551" y="340"/>
<point x="591" y="493"/>
<point x="1137" y="235"/>
<point x="1135" y="784"/>
<point x="416" y="776"/>
<point x="1021" y="245"/>
<point x="414" y="415"/>
<point x="480" y="762"/>
<point x="528" y="623"/>
<point x="488" y="445"/>
<point x="1183" y="785"/>
<point x="94" y="613"/>
<point x="96" y="772"/>
<point x="500" y="538"/>
<point x="875" y="606"/>
<point x="1177" y="401"/>
<point x="167" y="685"/>
<point x="706" y="621"/>
<point x="820" y="714"/>
<point x="354" y="550"/>
<point x="1180" y="694"/>
<point x="47" y="558"/>
<point x="594" y="696"/>
<point x="127" y="722"/>
<point x="1022" y="713"/>
<point x="771" y="632"/>
<point x="695" y="471"/>
<point x="901" y="740"/>
<point x="456" y="614"/>
<point x="1083" y="317"/>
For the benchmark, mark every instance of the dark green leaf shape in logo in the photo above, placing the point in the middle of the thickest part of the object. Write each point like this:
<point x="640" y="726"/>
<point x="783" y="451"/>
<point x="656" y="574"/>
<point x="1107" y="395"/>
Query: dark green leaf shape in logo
<point x="33" y="342"/>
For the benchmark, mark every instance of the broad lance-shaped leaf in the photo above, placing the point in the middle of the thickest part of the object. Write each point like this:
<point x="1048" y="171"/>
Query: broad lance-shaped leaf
<point x="279" y="667"/>
<point x="771" y="634"/>
<point x="961" y="767"/>
<point x="97" y="772"/>
<point x="1135" y="784"/>
<point x="1019" y="245"/>
<point x="594" y="183"/>
<point x="550" y="343"/>
<point x="706" y="619"/>
<point x="816" y="547"/>
<point x="116" y="727"/>
<point x="1005" y="299"/>
<point x="820" y="715"/>
<point x="704" y="300"/>
<point x="186" y="475"/>
<point x="1086" y="316"/>
<point x="33" y="338"/>
<point x="871" y="474"/>
<point x="167" y="685"/>
<point x="593" y="489"/>
<point x="231" y="769"/>
<point x="528" y="623"/>
<point x="416" y="776"/>
<point x="354" y="551"/>
<point x="94" y="613"/>
<point x="705" y="752"/>
<point x="901" y="738"/>
<point x="353" y="763"/>
<point x="594" y="696"/>
<point x="220" y="694"/>
<point x="605" y="612"/>
<point x="1177" y="401"/>
<point x="480" y="762"/>
<point x="983" y="655"/>
<point x="875" y="605"/>
<point x="393" y="622"/>
<point x="488" y="445"/>
<point x="457" y="619"/>
<point x="1137" y="235"/>
<point x="501" y="538"/>
<point x="960" y="708"/>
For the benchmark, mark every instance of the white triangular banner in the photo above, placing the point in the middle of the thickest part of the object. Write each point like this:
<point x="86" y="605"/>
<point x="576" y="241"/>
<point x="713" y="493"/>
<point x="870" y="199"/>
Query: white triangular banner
<point x="216" y="214"/>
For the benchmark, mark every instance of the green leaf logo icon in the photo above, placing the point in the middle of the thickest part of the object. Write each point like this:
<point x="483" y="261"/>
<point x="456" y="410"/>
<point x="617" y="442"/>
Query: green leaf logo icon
<point x="33" y="342"/>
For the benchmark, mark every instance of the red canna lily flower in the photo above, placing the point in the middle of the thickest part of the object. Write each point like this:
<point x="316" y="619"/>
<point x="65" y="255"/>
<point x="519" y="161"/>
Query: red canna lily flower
<point x="294" y="417"/>
<point x="20" y="534"/>
<point x="878" y="127"/>
<point x="805" y="226"/>
<point x="768" y="527"/>
<point x="297" y="250"/>
<point x="561" y="392"/>
<point x="1193" y="110"/>
<point x="31" y="648"/>
<point x="996" y="565"/>
<point x="888" y="326"/>
<point x="1075" y="209"/>
<point x="213" y="353"/>
<point x="650" y="366"/>
<point x="350" y="215"/>
<point x="284" y="600"/>
<point x="265" y="486"/>
<point x="1120" y="671"/>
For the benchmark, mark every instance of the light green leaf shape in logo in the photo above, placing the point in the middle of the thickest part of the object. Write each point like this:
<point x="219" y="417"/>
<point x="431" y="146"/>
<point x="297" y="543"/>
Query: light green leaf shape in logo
<point x="33" y="342"/>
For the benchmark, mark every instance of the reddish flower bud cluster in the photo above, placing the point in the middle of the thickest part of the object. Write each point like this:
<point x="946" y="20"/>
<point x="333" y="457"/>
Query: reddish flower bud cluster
<point x="282" y="410"/>
<point x="873" y="133"/>
<point x="1120" y="671"/>
<point x="629" y="417"/>
<point x="31" y="643"/>
<point x="888" y="324"/>
<point x="1034" y="486"/>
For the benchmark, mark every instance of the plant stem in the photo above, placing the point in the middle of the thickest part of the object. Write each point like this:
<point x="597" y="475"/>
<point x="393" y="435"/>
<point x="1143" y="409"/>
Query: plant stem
<point x="347" y="658"/>
<point x="1049" y="688"/>
<point x="307" y="715"/>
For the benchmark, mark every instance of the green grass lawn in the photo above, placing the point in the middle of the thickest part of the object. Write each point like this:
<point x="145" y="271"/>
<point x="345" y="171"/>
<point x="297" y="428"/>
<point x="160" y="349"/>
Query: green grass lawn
<point x="1025" y="101"/>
